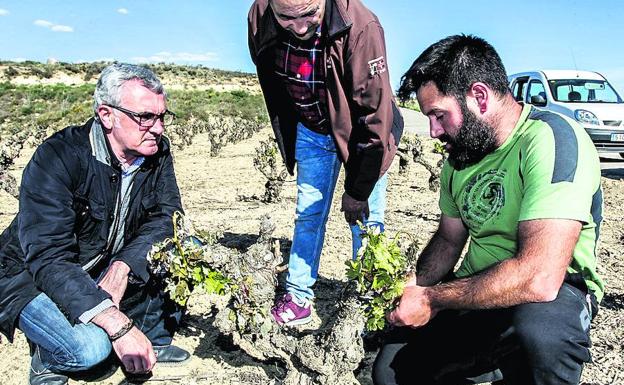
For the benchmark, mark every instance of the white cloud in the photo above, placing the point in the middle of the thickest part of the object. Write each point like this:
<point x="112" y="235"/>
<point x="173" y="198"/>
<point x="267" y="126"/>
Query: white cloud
<point x="3" y="12"/>
<point x="53" y="27"/>
<point x="43" y="23"/>
<point x="123" y="11"/>
<point x="177" y="57"/>
<point x="62" y="28"/>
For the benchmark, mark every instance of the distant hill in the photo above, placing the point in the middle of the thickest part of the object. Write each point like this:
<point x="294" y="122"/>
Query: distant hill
<point x="37" y="99"/>
<point x="173" y="76"/>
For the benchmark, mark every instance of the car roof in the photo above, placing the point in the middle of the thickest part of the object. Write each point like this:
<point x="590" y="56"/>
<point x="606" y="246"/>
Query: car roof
<point x="571" y="74"/>
<point x="562" y="74"/>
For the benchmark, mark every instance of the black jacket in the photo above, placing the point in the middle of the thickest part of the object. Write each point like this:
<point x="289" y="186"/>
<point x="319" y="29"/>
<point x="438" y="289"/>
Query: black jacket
<point x="67" y="199"/>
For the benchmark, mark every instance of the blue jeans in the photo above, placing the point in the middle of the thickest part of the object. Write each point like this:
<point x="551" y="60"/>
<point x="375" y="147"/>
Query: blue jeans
<point x="67" y="348"/>
<point x="318" y="167"/>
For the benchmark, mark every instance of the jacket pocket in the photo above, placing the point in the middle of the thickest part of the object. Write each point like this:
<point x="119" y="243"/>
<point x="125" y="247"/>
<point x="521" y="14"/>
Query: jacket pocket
<point x="140" y="214"/>
<point x="149" y="203"/>
<point x="10" y="267"/>
<point x="11" y="254"/>
<point x="90" y="216"/>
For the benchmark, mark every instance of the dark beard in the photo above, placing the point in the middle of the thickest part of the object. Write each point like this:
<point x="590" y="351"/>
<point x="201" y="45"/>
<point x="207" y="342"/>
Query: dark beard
<point x="473" y="142"/>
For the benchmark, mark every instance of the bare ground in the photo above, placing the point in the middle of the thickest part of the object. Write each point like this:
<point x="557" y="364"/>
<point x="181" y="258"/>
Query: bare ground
<point x="211" y="190"/>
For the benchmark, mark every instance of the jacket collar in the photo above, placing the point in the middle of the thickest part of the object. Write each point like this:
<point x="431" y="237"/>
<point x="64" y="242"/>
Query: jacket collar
<point x="335" y="21"/>
<point x="100" y="147"/>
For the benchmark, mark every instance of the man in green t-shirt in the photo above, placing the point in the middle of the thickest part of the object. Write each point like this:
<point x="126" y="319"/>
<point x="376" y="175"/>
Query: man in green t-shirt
<point x="524" y="185"/>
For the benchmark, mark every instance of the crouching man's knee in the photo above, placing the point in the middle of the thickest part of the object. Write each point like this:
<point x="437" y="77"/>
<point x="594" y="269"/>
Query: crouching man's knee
<point x="89" y="349"/>
<point x="383" y="374"/>
<point x="397" y="364"/>
<point x="554" y="340"/>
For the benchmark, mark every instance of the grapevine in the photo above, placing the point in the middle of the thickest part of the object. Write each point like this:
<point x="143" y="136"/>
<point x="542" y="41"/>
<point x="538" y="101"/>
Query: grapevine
<point x="180" y="262"/>
<point x="268" y="162"/>
<point x="380" y="272"/>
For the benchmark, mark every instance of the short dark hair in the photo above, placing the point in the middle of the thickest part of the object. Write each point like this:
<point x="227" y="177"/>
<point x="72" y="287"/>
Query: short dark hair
<point x="454" y="64"/>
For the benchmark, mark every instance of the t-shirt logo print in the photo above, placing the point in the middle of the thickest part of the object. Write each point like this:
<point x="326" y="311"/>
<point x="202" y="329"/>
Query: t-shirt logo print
<point x="484" y="197"/>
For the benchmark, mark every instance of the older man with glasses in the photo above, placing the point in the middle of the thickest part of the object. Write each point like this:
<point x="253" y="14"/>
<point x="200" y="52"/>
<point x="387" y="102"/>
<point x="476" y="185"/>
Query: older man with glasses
<point x="93" y="200"/>
<point x="322" y="68"/>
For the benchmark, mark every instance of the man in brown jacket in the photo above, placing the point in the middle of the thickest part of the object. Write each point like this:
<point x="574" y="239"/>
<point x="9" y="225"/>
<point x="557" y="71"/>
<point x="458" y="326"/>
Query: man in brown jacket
<point x="322" y="68"/>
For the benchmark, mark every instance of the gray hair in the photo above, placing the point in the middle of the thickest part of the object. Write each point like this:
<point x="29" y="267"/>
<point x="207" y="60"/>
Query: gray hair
<point x="108" y="88"/>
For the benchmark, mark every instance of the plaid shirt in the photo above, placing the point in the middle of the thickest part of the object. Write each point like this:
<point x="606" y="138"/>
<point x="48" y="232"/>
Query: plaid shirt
<point x="300" y="65"/>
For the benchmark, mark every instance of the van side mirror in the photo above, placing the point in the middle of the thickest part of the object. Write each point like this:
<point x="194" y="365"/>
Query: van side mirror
<point x="538" y="100"/>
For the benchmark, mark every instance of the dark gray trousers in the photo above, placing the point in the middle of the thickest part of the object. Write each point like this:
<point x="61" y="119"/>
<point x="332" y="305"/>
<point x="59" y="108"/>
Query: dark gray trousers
<point x="534" y="343"/>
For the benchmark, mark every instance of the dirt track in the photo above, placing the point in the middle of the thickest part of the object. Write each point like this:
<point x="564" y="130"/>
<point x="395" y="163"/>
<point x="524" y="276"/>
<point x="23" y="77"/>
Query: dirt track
<point x="211" y="190"/>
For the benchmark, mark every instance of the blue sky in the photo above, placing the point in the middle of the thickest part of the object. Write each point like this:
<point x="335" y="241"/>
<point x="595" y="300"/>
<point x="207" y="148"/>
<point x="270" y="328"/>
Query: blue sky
<point x="544" y="34"/>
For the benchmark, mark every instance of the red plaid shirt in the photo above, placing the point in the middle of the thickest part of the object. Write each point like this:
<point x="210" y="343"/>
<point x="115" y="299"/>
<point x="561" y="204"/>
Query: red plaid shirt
<point x="300" y="65"/>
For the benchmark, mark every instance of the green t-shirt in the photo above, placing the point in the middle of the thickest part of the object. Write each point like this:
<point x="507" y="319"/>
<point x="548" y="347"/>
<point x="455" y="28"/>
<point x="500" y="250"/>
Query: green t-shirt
<point x="547" y="168"/>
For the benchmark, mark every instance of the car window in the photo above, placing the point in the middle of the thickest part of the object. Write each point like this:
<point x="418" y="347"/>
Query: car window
<point x="518" y="88"/>
<point x="536" y="88"/>
<point x="583" y="91"/>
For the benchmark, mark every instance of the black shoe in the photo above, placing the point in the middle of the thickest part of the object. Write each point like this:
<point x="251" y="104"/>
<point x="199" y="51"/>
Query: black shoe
<point x="171" y="355"/>
<point x="40" y="375"/>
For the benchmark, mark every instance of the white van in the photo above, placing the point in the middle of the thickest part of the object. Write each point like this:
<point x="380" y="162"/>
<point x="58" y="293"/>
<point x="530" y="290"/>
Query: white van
<point x="581" y="95"/>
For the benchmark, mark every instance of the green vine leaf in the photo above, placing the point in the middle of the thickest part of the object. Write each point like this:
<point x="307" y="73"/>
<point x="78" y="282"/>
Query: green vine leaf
<point x="380" y="274"/>
<point x="180" y="263"/>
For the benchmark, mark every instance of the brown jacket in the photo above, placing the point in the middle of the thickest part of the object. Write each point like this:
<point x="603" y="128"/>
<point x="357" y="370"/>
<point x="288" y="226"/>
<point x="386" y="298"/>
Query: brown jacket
<point x="365" y="122"/>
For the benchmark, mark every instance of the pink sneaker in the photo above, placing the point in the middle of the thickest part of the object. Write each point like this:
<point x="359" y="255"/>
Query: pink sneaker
<point x="287" y="312"/>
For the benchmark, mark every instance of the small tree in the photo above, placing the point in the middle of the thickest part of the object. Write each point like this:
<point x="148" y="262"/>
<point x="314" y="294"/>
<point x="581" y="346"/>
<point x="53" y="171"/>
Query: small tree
<point x="9" y="151"/>
<point x="11" y="145"/>
<point x="267" y="161"/>
<point x="230" y="129"/>
<point x="410" y="144"/>
<point x="434" y="170"/>
<point x="221" y="130"/>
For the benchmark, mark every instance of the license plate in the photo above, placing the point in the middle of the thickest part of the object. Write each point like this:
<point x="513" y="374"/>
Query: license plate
<point x="617" y="137"/>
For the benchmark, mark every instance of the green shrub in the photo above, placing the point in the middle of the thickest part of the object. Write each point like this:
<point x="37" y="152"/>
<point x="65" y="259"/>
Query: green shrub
<point x="411" y="104"/>
<point x="10" y="72"/>
<point x="59" y="105"/>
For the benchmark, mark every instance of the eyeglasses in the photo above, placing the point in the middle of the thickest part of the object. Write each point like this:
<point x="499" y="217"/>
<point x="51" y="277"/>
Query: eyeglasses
<point x="147" y="119"/>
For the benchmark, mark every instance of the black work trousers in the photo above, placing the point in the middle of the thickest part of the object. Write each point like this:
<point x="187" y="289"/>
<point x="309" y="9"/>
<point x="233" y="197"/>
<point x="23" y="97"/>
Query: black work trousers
<point x="533" y="343"/>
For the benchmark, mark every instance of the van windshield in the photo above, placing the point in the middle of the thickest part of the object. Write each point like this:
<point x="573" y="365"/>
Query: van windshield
<point x="583" y="91"/>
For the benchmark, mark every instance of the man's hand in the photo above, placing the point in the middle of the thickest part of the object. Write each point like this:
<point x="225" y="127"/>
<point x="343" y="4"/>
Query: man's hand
<point x="354" y="210"/>
<point x="115" y="281"/>
<point x="414" y="308"/>
<point x="135" y="352"/>
<point x="133" y="349"/>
